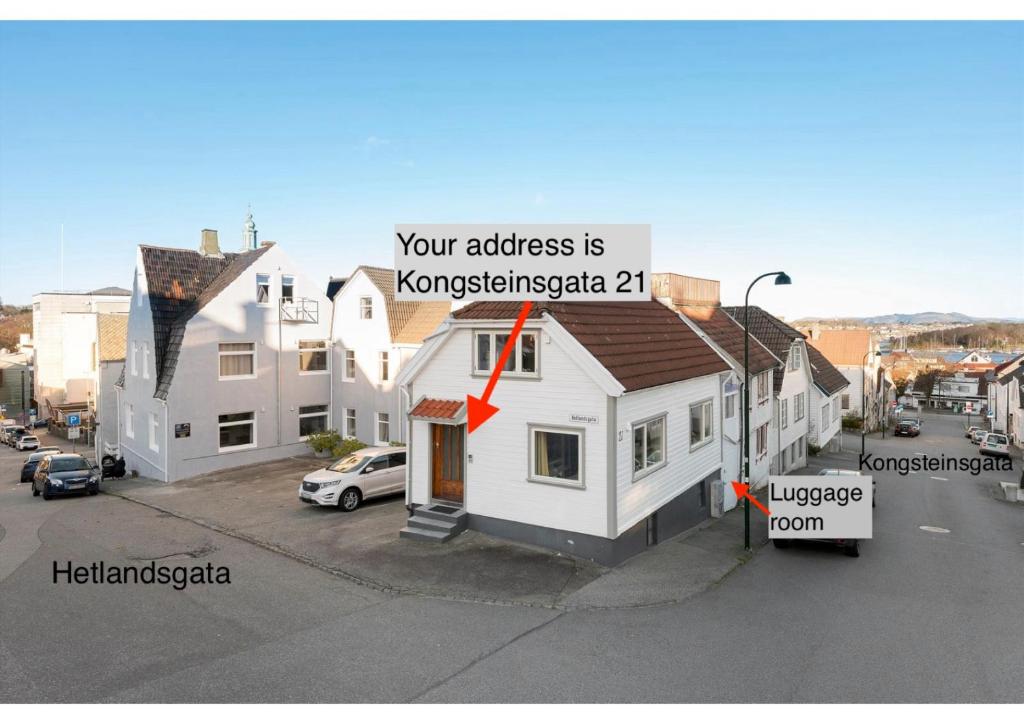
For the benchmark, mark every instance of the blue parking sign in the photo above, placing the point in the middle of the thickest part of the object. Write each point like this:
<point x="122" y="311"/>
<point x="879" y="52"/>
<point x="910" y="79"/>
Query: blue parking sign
<point x="74" y="420"/>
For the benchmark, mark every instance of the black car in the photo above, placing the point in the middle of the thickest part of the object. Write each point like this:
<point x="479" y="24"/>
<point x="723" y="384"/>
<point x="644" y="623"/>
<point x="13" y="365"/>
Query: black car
<point x="908" y="427"/>
<point x="28" y="470"/>
<point x="65" y="474"/>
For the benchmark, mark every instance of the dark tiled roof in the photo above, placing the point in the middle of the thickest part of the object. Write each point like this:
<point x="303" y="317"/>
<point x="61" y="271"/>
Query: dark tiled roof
<point x="770" y="331"/>
<point x="437" y="409"/>
<point x="824" y="373"/>
<point x="408" y="322"/>
<point x="180" y="282"/>
<point x="334" y="285"/>
<point x="728" y="335"/>
<point x="642" y="344"/>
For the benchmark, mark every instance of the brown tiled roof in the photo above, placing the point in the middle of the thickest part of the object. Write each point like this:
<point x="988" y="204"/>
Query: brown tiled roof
<point x="843" y="346"/>
<point x="112" y="331"/>
<point x="437" y="409"/>
<point x="642" y="344"/>
<point x="728" y="335"/>
<point x="824" y="373"/>
<point x="180" y="282"/>
<point x="408" y="322"/>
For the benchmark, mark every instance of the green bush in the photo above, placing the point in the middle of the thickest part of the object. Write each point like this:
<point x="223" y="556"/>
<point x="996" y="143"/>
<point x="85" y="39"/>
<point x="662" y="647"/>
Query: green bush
<point x="325" y="440"/>
<point x="396" y="443"/>
<point x="852" y="422"/>
<point x="346" y="447"/>
<point x="813" y="449"/>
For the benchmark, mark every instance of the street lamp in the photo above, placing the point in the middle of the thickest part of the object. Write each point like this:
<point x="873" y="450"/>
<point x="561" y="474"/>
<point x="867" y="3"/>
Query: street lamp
<point x="864" y="399"/>
<point x="781" y="278"/>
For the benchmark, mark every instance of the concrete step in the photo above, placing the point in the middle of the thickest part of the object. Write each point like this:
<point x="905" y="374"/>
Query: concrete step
<point x="431" y="511"/>
<point x="444" y="526"/>
<point x="424" y="534"/>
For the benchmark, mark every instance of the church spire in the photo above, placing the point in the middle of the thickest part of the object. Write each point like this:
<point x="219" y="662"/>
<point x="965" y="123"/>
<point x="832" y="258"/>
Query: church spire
<point x="249" y="232"/>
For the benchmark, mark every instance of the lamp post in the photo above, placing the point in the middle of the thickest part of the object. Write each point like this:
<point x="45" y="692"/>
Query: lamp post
<point x="781" y="278"/>
<point x="864" y="399"/>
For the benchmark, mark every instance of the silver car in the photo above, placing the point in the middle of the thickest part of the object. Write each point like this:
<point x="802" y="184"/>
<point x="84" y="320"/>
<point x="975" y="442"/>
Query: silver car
<point x="366" y="473"/>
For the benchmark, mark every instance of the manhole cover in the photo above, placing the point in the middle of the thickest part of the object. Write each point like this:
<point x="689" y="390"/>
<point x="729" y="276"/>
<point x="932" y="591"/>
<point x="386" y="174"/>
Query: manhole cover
<point x="934" y="529"/>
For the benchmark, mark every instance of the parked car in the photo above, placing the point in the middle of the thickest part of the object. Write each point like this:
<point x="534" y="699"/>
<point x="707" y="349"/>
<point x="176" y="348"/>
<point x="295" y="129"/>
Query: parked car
<point x="995" y="443"/>
<point x="63" y="475"/>
<point x="11" y="434"/>
<point x="850" y="547"/>
<point x="970" y="431"/>
<point x="5" y="427"/>
<point x="364" y="474"/>
<point x="977" y="436"/>
<point x="33" y="460"/>
<point x="908" y="427"/>
<point x="27" y="442"/>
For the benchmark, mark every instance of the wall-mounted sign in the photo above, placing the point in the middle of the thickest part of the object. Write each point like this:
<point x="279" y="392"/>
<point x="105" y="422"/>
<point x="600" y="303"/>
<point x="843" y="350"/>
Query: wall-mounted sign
<point x="183" y="429"/>
<point x="585" y="419"/>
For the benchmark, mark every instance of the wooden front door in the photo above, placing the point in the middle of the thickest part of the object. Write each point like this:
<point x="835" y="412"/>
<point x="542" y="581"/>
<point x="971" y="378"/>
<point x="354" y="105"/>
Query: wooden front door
<point x="448" y="463"/>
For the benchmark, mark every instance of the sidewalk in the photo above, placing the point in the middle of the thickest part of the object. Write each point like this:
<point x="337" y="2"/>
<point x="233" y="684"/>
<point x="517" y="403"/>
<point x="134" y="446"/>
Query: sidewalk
<point x="364" y="546"/>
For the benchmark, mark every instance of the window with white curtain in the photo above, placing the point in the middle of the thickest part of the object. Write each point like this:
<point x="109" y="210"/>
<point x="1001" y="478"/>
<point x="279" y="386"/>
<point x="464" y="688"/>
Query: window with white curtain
<point x="556" y="455"/>
<point x="366" y="307"/>
<point x="701" y="423"/>
<point x="348" y="372"/>
<point x="237" y="360"/>
<point x="312" y="356"/>
<point x="383" y="428"/>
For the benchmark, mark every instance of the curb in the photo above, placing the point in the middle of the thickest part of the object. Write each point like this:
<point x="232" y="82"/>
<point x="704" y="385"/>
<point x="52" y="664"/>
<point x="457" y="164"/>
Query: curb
<point x="395" y="590"/>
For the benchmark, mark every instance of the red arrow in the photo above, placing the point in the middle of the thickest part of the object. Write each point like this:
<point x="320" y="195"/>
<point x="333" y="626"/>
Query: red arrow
<point x="743" y="491"/>
<point x="478" y="409"/>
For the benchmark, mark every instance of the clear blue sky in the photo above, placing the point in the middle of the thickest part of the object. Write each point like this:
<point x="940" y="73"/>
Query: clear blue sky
<point x="881" y="165"/>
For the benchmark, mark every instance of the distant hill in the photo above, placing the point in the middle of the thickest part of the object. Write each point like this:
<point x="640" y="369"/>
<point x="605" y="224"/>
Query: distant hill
<point x="922" y="318"/>
<point x="998" y="336"/>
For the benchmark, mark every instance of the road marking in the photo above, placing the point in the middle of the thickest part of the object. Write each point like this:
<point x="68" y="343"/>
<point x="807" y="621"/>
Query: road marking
<point x="933" y="529"/>
<point x="945" y="480"/>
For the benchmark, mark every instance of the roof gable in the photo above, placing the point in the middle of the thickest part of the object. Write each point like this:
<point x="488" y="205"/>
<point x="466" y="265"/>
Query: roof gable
<point x="408" y="322"/>
<point x="179" y="283"/>
<point x="843" y="346"/>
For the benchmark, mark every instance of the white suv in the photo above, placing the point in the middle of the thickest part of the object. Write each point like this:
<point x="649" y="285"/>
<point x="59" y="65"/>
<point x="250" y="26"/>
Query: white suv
<point x="366" y="473"/>
<point x="995" y="443"/>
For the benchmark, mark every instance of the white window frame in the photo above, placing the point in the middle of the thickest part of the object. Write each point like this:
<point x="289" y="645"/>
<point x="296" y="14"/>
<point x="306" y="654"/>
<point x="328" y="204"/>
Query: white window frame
<point x="325" y="349"/>
<point x="835" y="410"/>
<point x="325" y="413"/>
<point x="762" y="388"/>
<point x="270" y="280"/>
<point x="154" y="430"/>
<point x="799" y="409"/>
<point x="824" y="415"/>
<point x="383" y="366"/>
<point x="516" y="356"/>
<point x="377" y="425"/>
<point x="707" y="413"/>
<point x="794" y="357"/>
<point x="784" y="413"/>
<point x="534" y="477"/>
<point x="129" y="420"/>
<point x="731" y="401"/>
<point x="647" y="469"/>
<point x="366" y="307"/>
<point x="349" y="413"/>
<point x="344" y="365"/>
<point x="135" y="359"/>
<point x="761" y="439"/>
<point x="844" y="401"/>
<point x="236" y="353"/>
<point x="221" y="425"/>
<point x="287" y="297"/>
<point x="145" y="360"/>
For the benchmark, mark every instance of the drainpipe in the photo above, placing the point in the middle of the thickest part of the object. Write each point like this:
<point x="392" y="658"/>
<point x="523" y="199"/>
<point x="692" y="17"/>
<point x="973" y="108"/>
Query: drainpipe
<point x="280" y="344"/>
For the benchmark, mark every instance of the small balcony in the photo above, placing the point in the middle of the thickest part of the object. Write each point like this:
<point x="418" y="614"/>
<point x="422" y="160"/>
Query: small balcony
<point x="300" y="310"/>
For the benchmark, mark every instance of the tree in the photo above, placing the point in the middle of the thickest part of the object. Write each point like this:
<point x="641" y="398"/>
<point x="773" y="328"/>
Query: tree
<point x="13" y="326"/>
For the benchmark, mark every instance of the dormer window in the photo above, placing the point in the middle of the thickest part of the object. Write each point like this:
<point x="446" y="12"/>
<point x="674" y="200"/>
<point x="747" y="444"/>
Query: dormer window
<point x="522" y="360"/>
<point x="366" y="307"/>
<point x="794" y="357"/>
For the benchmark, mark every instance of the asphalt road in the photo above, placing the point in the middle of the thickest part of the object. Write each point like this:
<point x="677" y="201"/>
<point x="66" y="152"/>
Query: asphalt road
<point x="919" y="617"/>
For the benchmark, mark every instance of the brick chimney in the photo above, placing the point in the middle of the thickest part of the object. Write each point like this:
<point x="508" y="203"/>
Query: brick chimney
<point x="209" y="246"/>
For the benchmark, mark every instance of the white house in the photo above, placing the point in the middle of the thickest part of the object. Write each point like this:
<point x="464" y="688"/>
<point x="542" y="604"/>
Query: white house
<point x="697" y="300"/>
<point x="974" y="357"/>
<point x="1005" y="398"/>
<point x="790" y="428"/>
<point x="64" y="335"/>
<point x="829" y="385"/>
<point x="853" y="353"/>
<point x="374" y="337"/>
<point x="228" y="359"/>
<point x="608" y="437"/>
